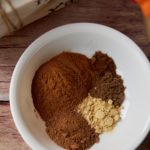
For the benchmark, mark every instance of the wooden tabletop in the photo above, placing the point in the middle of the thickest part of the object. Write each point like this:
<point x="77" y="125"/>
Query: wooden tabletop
<point x="122" y="15"/>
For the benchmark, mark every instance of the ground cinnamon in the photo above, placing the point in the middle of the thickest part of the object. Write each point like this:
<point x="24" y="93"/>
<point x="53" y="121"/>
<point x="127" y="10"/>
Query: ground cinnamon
<point x="61" y="83"/>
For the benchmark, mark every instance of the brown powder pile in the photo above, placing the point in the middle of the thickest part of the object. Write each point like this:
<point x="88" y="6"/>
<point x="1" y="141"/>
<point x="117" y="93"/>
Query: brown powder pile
<point x="71" y="131"/>
<point x="106" y="83"/>
<point x="101" y="63"/>
<point x="108" y="87"/>
<point x="58" y="87"/>
<point x="62" y="83"/>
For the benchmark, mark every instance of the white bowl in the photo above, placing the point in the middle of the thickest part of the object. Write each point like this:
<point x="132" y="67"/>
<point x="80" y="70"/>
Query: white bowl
<point x="85" y="38"/>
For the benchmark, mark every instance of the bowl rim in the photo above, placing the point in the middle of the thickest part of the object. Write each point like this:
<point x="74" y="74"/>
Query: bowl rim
<point x="26" y="135"/>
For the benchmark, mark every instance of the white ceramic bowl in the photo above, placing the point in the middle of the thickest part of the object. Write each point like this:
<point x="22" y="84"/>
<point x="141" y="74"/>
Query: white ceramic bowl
<point x="85" y="38"/>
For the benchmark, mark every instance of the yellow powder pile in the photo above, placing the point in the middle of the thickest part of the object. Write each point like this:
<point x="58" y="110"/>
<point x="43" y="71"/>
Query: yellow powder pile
<point x="101" y="115"/>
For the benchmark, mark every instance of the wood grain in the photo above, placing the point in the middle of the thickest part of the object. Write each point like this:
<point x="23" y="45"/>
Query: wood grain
<point x="4" y="90"/>
<point x="9" y="56"/>
<point x="122" y="15"/>
<point x="9" y="137"/>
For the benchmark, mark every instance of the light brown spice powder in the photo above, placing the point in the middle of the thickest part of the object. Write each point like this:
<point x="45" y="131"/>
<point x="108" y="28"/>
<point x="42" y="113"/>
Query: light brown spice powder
<point x="101" y="115"/>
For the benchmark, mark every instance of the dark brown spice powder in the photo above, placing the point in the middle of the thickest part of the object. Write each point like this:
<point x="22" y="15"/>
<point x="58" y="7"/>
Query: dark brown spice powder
<point x="109" y="87"/>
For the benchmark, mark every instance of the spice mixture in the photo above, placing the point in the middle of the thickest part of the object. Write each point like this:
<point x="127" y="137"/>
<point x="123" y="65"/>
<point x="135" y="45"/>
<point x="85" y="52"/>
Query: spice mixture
<point x="78" y="98"/>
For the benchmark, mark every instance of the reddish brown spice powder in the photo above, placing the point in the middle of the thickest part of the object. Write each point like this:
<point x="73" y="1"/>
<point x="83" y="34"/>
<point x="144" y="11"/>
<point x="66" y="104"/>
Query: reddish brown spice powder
<point x="61" y="84"/>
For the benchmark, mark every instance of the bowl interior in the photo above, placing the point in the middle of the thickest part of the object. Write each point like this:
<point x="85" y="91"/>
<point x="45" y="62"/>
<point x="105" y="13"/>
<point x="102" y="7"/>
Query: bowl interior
<point x="86" y="39"/>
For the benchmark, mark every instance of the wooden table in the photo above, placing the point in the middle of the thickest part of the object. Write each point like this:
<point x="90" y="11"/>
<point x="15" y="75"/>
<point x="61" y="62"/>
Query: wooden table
<point x="122" y="15"/>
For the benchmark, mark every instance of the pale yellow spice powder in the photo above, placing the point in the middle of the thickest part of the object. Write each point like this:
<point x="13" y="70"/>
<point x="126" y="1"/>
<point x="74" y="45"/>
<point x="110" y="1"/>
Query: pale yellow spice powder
<point x="101" y="115"/>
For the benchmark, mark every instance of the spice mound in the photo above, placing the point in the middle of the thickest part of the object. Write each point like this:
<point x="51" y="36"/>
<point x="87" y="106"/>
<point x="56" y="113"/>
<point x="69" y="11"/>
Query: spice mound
<point x="78" y="98"/>
<point x="101" y="115"/>
<point x="71" y="131"/>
